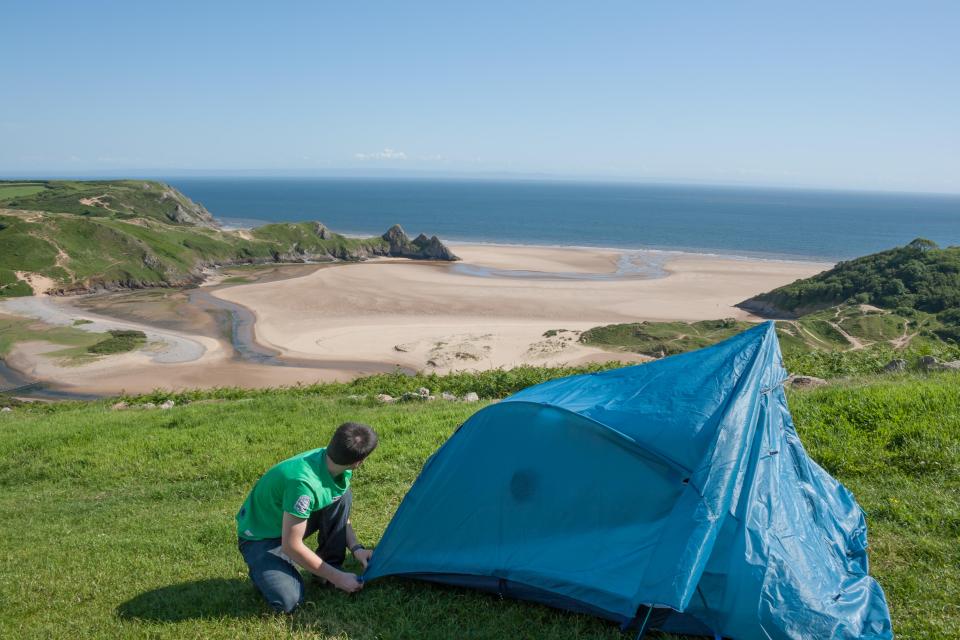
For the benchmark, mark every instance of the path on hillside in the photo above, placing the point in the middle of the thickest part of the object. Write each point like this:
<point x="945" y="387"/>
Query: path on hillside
<point x="853" y="340"/>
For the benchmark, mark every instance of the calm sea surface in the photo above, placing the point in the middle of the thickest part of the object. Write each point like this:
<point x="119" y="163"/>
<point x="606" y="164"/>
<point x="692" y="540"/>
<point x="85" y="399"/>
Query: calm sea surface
<point x="750" y="222"/>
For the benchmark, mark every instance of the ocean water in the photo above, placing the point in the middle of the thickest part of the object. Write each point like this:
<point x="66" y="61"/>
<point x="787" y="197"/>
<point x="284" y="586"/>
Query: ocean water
<point x="773" y="223"/>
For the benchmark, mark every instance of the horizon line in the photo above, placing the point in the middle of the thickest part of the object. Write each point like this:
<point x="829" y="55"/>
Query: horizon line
<point x="414" y="174"/>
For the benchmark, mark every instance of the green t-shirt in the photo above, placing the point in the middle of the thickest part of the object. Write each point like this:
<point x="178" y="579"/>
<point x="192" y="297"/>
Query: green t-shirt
<point x="299" y="485"/>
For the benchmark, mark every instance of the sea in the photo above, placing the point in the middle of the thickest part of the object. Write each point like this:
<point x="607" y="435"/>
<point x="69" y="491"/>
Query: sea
<point x="738" y="221"/>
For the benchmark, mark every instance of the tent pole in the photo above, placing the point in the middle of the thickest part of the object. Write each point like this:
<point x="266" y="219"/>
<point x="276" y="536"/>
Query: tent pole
<point x="642" y="631"/>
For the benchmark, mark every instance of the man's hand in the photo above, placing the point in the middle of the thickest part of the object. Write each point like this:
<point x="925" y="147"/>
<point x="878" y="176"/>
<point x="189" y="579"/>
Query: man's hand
<point x="294" y="529"/>
<point x="363" y="557"/>
<point x="346" y="582"/>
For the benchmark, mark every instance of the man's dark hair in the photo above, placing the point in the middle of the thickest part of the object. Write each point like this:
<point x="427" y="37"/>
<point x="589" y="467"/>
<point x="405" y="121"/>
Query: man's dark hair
<point x="351" y="442"/>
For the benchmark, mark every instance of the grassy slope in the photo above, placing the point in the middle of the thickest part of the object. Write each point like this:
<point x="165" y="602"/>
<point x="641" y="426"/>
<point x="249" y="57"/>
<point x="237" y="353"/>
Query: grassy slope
<point x="662" y="338"/>
<point x="918" y="276"/>
<point x="123" y="199"/>
<point x="813" y="344"/>
<point x="120" y="524"/>
<point x="132" y="241"/>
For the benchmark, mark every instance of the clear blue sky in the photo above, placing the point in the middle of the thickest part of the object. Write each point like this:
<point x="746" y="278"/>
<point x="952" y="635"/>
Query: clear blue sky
<point x="851" y="94"/>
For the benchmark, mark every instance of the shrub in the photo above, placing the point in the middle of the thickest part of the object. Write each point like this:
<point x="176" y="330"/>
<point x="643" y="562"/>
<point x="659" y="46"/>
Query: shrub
<point x="120" y="341"/>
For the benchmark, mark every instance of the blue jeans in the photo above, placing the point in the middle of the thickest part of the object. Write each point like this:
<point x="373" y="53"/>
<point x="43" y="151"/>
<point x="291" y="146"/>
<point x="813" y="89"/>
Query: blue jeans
<point x="272" y="572"/>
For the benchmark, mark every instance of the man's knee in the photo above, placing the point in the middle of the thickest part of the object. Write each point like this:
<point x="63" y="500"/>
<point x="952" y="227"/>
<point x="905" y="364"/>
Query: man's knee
<point x="287" y="600"/>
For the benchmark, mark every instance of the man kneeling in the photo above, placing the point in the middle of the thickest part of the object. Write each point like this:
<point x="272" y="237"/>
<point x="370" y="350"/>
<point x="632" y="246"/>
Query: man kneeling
<point x="307" y="493"/>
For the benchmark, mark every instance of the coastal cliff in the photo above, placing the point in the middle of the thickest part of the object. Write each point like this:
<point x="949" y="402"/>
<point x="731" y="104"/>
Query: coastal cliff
<point x="67" y="237"/>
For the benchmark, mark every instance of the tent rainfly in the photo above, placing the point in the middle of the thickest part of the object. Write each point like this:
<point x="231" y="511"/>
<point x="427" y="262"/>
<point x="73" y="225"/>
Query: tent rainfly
<point x="672" y="495"/>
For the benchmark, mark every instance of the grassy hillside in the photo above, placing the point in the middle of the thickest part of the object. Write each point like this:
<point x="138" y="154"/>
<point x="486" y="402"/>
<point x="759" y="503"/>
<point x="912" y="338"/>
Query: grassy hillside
<point x="917" y="277"/>
<point x="133" y="234"/>
<point x="121" y="199"/>
<point x="120" y="523"/>
<point x="660" y="339"/>
<point x="842" y="341"/>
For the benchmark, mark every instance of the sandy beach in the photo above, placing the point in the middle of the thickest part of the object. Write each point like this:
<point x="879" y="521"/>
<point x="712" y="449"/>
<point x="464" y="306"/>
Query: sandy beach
<point x="493" y="309"/>
<point x="439" y="317"/>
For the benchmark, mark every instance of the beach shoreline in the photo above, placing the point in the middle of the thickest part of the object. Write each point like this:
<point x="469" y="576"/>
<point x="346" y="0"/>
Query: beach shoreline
<point x="338" y="321"/>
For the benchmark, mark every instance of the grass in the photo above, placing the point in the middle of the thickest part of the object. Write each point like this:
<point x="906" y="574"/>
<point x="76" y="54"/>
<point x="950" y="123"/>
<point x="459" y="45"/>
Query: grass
<point x="15" y="329"/>
<point x="660" y="339"/>
<point x="812" y="345"/>
<point x="120" y="523"/>
<point x="134" y="234"/>
<point x="10" y="190"/>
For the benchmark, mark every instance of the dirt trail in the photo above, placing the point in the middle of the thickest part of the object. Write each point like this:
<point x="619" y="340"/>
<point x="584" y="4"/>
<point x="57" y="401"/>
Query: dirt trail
<point x="97" y="201"/>
<point x="855" y="342"/>
<point x="40" y="284"/>
<point x="803" y="331"/>
<point x="903" y="340"/>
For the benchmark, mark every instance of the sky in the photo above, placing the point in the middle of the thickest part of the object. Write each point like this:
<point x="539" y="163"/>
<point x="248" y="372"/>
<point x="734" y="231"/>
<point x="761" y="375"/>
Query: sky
<point x="853" y="94"/>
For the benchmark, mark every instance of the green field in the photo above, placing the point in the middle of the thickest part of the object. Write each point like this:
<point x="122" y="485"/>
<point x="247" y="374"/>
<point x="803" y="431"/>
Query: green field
<point x="658" y="339"/>
<point x="9" y="190"/>
<point x="119" y="524"/>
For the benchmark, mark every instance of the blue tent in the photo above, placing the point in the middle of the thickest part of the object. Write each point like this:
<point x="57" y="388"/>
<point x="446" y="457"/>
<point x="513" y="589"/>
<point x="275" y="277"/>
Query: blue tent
<point x="673" y="494"/>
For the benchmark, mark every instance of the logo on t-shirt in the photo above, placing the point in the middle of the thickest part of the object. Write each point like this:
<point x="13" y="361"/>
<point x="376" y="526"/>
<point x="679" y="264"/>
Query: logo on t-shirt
<point x="303" y="504"/>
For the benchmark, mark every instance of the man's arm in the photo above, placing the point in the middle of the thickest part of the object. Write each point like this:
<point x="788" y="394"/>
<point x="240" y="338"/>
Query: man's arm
<point x="292" y="545"/>
<point x="362" y="555"/>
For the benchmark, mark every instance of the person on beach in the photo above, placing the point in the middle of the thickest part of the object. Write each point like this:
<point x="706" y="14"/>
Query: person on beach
<point x="307" y="493"/>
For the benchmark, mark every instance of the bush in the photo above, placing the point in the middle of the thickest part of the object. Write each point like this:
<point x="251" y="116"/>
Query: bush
<point x="120" y="341"/>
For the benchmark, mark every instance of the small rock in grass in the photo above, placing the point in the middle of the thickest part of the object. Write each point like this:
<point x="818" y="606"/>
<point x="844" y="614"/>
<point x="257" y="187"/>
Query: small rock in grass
<point x="895" y="366"/>
<point x="385" y="399"/>
<point x="423" y="392"/>
<point x="431" y="398"/>
<point x="120" y="406"/>
<point x="930" y="363"/>
<point x="471" y="397"/>
<point x="169" y="404"/>
<point x="805" y="382"/>
<point x="148" y="405"/>
<point x="410" y="395"/>
<point x="6" y="410"/>
<point x="446" y="395"/>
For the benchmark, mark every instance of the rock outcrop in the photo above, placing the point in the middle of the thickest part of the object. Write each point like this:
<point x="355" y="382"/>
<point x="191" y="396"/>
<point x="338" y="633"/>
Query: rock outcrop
<point x="186" y="211"/>
<point x="420" y="248"/>
<point x="805" y="382"/>
<point x="897" y="365"/>
<point x="931" y="363"/>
